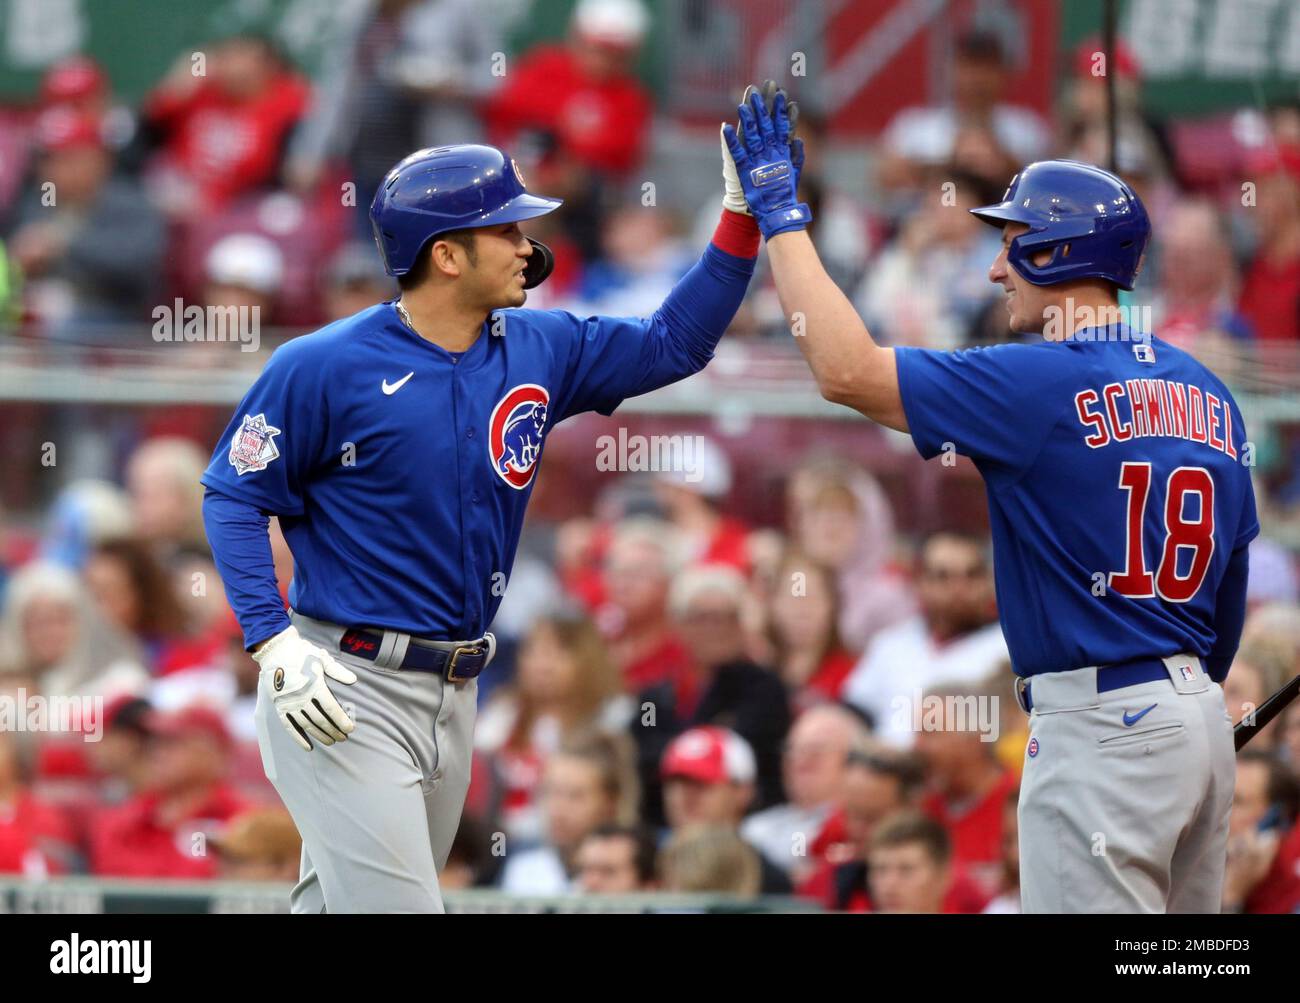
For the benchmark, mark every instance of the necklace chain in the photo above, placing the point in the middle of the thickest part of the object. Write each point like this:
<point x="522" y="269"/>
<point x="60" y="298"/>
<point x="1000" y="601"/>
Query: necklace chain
<point x="406" y="317"/>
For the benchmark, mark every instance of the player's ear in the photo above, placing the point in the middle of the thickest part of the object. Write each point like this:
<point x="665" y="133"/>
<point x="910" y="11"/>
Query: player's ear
<point x="444" y="258"/>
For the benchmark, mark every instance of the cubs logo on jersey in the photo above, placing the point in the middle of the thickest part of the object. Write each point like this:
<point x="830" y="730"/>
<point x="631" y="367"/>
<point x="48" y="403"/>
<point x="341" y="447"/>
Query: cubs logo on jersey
<point x="515" y="433"/>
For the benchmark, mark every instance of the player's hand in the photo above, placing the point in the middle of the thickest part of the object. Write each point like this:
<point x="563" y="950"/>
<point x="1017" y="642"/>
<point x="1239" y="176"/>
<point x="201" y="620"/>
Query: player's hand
<point x="294" y="671"/>
<point x="765" y="161"/>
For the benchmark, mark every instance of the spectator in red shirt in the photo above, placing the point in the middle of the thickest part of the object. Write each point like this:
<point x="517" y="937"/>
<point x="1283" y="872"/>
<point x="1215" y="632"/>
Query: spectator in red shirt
<point x="693" y="500"/>
<point x="163" y="833"/>
<point x="577" y="112"/>
<point x="877" y="784"/>
<point x="80" y="84"/>
<point x="581" y="94"/>
<point x="1290" y="738"/>
<point x="1195" y="306"/>
<point x="1270" y="296"/>
<point x="722" y="685"/>
<point x="968" y="787"/>
<point x="910" y="865"/>
<point x="223" y="133"/>
<point x="565" y="684"/>
<point x="119" y="759"/>
<point x="639" y="565"/>
<point x="134" y="593"/>
<point x="814" y="759"/>
<point x="1263" y="873"/>
<point x="1008" y="897"/>
<point x="35" y="839"/>
<point x="708" y="775"/>
<point x="802" y="621"/>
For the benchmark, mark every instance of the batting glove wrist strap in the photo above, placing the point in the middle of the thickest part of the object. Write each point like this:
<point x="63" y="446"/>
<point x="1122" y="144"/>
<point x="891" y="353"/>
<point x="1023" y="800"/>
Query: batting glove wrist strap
<point x="294" y="673"/>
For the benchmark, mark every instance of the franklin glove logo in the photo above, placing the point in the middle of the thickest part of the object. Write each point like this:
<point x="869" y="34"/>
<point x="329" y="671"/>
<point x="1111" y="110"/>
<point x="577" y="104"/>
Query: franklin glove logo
<point x="767" y="174"/>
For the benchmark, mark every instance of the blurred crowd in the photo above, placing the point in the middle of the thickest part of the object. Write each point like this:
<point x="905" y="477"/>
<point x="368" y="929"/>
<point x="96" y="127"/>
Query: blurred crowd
<point x="239" y="181"/>
<point x="683" y="701"/>
<point x="820" y="708"/>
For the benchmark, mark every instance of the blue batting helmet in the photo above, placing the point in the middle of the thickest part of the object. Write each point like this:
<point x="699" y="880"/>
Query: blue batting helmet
<point x="448" y="188"/>
<point x="1064" y="202"/>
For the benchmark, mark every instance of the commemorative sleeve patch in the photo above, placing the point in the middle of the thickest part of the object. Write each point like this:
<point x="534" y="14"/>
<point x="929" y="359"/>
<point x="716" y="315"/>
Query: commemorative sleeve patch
<point x="253" y="445"/>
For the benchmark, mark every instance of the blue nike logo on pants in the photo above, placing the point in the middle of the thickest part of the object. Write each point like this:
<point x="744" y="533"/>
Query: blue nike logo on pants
<point x="1132" y="719"/>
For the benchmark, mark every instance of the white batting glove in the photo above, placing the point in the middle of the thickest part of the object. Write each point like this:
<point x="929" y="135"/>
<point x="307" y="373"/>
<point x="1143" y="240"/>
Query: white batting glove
<point x="733" y="195"/>
<point x="295" y="671"/>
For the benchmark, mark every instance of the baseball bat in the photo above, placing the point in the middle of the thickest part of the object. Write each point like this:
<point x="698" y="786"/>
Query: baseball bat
<point x="1252" y="724"/>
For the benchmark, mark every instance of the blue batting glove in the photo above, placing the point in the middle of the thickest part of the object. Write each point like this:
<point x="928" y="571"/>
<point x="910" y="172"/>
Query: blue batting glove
<point x="768" y="164"/>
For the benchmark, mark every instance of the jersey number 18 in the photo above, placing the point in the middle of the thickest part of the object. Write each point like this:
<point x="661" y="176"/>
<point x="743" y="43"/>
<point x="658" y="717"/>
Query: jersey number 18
<point x="1180" y="533"/>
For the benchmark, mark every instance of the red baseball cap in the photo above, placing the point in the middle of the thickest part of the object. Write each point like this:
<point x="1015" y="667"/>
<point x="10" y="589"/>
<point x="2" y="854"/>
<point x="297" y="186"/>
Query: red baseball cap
<point x="62" y="128"/>
<point x="710" y="755"/>
<point x="71" y="79"/>
<point x="1273" y="158"/>
<point x="193" y="720"/>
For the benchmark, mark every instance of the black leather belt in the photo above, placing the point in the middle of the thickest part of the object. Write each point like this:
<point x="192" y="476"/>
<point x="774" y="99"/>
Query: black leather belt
<point x="456" y="665"/>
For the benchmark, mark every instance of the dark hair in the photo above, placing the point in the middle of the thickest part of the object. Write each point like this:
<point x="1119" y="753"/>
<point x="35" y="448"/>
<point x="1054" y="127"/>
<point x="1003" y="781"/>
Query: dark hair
<point x="161" y="613"/>
<point x="463" y="239"/>
<point x="907" y="827"/>
<point x="1283" y="790"/>
<point x="644" y="853"/>
<point x="981" y="46"/>
<point x="978" y="543"/>
<point x="902" y="767"/>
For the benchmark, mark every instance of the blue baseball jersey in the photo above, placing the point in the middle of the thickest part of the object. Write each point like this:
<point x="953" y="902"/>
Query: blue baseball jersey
<point x="1119" y="491"/>
<point x="401" y="472"/>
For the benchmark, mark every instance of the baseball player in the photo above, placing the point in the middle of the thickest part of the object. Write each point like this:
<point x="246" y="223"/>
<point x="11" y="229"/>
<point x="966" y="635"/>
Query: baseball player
<point x="399" y="447"/>
<point x="1120" y="497"/>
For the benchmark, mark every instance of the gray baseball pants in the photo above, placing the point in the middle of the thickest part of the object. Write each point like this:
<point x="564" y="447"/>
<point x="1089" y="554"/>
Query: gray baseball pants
<point x="1120" y="817"/>
<point x="378" y="812"/>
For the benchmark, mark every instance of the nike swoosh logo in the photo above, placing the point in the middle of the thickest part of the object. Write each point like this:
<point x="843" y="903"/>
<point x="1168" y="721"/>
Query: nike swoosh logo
<point x="392" y="388"/>
<point x="1132" y="719"/>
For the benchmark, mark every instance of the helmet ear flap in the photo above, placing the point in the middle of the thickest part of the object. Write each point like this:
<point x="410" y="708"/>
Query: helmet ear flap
<point x="540" y="264"/>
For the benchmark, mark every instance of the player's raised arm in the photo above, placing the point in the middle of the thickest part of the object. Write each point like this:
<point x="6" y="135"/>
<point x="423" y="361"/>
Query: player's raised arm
<point x="618" y="357"/>
<point x="849" y="367"/>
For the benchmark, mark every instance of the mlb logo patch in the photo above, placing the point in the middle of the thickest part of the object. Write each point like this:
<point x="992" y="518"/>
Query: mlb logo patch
<point x="1033" y="747"/>
<point x="1144" y="353"/>
<point x="1187" y="673"/>
<point x="253" y="445"/>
